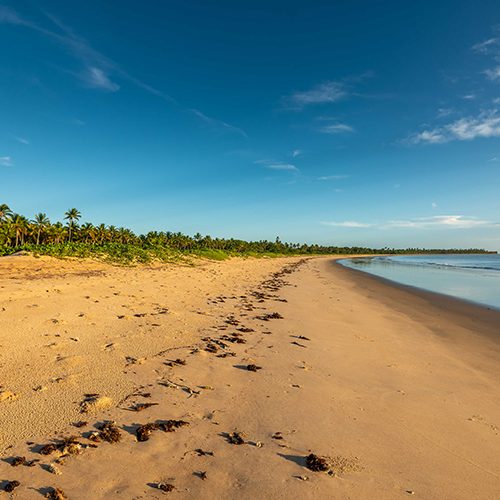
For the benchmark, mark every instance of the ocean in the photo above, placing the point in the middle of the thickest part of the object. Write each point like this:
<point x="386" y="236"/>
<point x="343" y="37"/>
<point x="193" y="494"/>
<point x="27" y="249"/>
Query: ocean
<point x="473" y="277"/>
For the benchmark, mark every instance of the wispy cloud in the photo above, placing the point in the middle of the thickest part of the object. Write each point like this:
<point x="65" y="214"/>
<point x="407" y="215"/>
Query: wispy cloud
<point x="98" y="79"/>
<point x="96" y="70"/>
<point x="331" y="177"/>
<point x="219" y="124"/>
<point x="347" y="223"/>
<point x="95" y="67"/>
<point x="442" y="221"/>
<point x="433" y="222"/>
<point x="486" y="124"/>
<point x="6" y="161"/>
<point x="490" y="47"/>
<point x="486" y="46"/>
<point x="277" y="165"/>
<point x="493" y="73"/>
<point x="9" y="16"/>
<point x="22" y="140"/>
<point x="336" y="128"/>
<point x="296" y="153"/>
<point x="283" y="166"/>
<point x="444" y="112"/>
<point x="327" y="92"/>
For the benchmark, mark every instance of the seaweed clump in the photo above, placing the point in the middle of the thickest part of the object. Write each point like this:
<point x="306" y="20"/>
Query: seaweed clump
<point x="56" y="494"/>
<point x="11" y="486"/>
<point x="109" y="432"/>
<point x="235" y="438"/>
<point x="144" y="432"/>
<point x="317" y="463"/>
<point x="253" y="368"/>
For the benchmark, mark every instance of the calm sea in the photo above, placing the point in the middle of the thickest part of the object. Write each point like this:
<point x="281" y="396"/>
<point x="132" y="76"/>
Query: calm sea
<point x="471" y="277"/>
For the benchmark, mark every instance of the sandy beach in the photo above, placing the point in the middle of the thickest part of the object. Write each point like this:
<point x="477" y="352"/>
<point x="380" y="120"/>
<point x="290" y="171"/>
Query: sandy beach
<point x="398" y="387"/>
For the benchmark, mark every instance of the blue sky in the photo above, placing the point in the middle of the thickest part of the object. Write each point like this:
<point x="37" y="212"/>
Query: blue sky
<point x="360" y="122"/>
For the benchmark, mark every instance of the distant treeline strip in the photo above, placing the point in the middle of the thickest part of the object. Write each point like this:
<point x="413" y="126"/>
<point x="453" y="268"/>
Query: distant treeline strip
<point x="39" y="235"/>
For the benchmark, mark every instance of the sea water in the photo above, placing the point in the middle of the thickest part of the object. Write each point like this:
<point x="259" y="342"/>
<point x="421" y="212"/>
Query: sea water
<point x="474" y="277"/>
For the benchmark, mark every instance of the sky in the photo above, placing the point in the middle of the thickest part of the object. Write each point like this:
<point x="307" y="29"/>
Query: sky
<point x="332" y="122"/>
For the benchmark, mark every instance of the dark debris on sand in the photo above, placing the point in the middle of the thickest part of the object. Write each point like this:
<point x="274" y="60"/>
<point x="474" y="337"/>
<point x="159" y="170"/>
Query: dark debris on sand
<point x="66" y="446"/>
<point x="143" y="432"/>
<point x="235" y="438"/>
<point x="332" y="466"/>
<point x="253" y="368"/>
<point x="56" y="494"/>
<point x="175" y="362"/>
<point x="11" y="486"/>
<point x="202" y="453"/>
<point x="109" y="432"/>
<point x="166" y="487"/>
<point x="17" y="461"/>
<point x="269" y="316"/>
<point x="317" y="463"/>
<point x="142" y="406"/>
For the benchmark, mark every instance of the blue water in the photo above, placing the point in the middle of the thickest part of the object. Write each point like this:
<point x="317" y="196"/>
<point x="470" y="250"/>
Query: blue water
<point x="471" y="277"/>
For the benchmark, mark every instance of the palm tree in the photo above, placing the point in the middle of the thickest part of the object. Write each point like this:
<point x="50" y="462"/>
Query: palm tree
<point x="57" y="232"/>
<point x="88" y="232"/>
<point x="42" y="221"/>
<point x="71" y="215"/>
<point x="20" y="225"/>
<point x="5" y="212"/>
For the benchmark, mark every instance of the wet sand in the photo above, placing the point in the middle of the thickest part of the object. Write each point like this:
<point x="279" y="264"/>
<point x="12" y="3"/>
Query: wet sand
<point x="399" y="387"/>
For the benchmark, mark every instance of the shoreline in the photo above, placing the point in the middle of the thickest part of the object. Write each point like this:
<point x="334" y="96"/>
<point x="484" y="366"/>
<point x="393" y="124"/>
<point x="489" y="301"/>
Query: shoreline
<point x="484" y="313"/>
<point x="396" y="387"/>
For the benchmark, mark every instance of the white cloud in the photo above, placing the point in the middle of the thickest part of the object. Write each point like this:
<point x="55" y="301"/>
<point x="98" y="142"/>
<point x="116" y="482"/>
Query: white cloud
<point x="429" y="136"/>
<point x="6" y="161"/>
<point x="97" y="78"/>
<point x="347" y="223"/>
<point x="331" y="177"/>
<point x="22" y="140"/>
<point x="336" y="128"/>
<point x="441" y="221"/>
<point x="486" y="124"/>
<point x="283" y="166"/>
<point x="444" y="112"/>
<point x="434" y="204"/>
<point x="469" y="97"/>
<point x="493" y="74"/>
<point x="296" y="152"/>
<point x="434" y="222"/>
<point x="484" y="47"/>
<point x="277" y="165"/>
<point x="326" y="92"/>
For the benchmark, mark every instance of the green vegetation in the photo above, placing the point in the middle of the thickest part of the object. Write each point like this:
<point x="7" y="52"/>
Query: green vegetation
<point x="40" y="236"/>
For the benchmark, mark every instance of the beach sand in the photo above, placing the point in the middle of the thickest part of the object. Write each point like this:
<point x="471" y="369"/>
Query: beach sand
<point x="400" y="388"/>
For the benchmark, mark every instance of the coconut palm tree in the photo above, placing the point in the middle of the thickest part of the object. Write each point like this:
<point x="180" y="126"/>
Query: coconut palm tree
<point x="71" y="216"/>
<point x="41" y="220"/>
<point x="5" y="212"/>
<point x="20" y="225"/>
<point x="57" y="232"/>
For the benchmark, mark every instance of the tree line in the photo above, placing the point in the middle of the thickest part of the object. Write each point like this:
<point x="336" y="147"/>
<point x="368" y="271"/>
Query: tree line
<point x="18" y="232"/>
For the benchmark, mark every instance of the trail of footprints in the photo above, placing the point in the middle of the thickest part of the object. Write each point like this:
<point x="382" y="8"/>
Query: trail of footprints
<point x="51" y="456"/>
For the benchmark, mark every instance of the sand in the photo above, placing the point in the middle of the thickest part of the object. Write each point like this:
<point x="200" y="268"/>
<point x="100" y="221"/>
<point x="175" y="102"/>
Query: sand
<point x="399" y="388"/>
